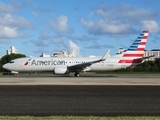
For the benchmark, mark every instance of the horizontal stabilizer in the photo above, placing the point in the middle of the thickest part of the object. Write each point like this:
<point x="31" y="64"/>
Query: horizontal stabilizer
<point x="143" y="58"/>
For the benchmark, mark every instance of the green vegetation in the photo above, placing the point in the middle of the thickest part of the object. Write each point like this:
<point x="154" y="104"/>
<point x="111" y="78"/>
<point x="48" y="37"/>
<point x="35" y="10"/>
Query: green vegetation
<point x="78" y="118"/>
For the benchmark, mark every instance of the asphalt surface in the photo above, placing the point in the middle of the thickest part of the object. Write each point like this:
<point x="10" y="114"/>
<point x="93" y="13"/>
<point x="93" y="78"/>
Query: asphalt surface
<point x="80" y="100"/>
<point x="63" y="80"/>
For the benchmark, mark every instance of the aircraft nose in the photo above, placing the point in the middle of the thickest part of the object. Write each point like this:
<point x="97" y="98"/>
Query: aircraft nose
<point x="5" y="66"/>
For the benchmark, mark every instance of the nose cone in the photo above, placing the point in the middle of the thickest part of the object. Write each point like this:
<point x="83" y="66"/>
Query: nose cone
<point x="5" y="66"/>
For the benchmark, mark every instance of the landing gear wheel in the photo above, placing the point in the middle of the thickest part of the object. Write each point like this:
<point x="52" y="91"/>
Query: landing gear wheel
<point x="17" y="75"/>
<point x="76" y="74"/>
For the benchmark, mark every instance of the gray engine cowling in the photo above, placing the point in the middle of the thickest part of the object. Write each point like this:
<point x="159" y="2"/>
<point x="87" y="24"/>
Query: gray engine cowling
<point x="61" y="70"/>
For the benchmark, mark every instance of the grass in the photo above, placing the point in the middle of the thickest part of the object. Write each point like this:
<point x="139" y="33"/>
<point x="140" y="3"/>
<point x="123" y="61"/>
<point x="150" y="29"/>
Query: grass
<point x="79" y="118"/>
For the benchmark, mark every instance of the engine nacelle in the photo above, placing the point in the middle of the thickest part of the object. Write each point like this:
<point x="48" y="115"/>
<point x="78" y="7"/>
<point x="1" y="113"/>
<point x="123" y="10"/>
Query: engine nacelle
<point x="61" y="70"/>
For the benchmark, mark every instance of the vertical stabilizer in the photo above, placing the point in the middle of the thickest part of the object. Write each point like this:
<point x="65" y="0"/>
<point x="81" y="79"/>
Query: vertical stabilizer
<point x="136" y="50"/>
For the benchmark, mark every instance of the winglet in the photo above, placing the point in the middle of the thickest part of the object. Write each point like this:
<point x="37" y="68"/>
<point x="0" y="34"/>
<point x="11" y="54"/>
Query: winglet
<point x="105" y="55"/>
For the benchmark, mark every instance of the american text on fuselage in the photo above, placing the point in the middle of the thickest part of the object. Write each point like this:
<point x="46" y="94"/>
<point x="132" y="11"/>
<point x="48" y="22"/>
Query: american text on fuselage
<point x="48" y="62"/>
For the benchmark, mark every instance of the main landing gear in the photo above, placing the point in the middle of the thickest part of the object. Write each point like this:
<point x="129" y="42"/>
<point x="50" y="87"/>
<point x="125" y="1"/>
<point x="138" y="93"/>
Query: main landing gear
<point x="76" y="74"/>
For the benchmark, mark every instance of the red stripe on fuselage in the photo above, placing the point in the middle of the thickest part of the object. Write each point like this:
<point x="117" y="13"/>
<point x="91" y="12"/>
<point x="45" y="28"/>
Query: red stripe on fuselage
<point x="130" y="61"/>
<point x="133" y="55"/>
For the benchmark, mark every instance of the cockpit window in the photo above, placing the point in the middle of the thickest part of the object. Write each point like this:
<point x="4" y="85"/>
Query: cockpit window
<point x="11" y="62"/>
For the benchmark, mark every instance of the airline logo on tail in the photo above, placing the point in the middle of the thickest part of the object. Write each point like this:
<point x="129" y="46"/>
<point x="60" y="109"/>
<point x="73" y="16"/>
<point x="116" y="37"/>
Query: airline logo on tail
<point x="136" y="50"/>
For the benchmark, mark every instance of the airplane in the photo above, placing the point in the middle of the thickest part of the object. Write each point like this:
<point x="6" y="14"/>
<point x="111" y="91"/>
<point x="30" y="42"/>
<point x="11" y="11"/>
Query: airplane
<point x="64" y="65"/>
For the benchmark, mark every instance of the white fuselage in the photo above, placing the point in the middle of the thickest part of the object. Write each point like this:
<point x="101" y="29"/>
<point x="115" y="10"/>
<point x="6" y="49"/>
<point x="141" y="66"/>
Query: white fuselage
<point x="40" y="64"/>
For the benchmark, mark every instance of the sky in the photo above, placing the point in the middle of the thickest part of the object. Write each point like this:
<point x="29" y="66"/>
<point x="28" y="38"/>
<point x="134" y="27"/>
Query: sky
<point x="90" y="27"/>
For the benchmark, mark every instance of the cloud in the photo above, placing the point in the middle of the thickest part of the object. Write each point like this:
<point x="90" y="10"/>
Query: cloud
<point x="61" y="25"/>
<point x="57" y="40"/>
<point x="4" y="41"/>
<point x="43" y="39"/>
<point x="74" y="47"/>
<point x="41" y="50"/>
<point x="44" y="35"/>
<point x="19" y="22"/>
<point x="152" y="26"/>
<point x="35" y="14"/>
<point x="10" y="26"/>
<point x="135" y="14"/>
<point x="82" y="38"/>
<point x="100" y="46"/>
<point x="40" y="43"/>
<point x="25" y="43"/>
<point x="7" y="8"/>
<point x="13" y="7"/>
<point x="121" y="19"/>
<point x="102" y="27"/>
<point x="7" y="32"/>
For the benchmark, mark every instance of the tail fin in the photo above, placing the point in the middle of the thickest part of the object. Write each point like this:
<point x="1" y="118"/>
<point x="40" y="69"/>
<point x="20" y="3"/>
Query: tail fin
<point x="138" y="46"/>
<point x="136" y="50"/>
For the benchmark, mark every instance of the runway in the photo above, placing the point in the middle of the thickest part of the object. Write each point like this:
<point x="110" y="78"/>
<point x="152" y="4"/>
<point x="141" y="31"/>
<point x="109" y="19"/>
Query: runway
<point x="62" y="80"/>
<point x="83" y="96"/>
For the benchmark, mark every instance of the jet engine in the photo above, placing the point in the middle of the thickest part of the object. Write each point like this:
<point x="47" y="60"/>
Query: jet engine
<point x="61" y="70"/>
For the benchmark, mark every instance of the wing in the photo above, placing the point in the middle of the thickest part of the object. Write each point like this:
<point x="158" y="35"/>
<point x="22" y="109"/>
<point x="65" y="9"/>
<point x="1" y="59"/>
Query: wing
<point x="82" y="66"/>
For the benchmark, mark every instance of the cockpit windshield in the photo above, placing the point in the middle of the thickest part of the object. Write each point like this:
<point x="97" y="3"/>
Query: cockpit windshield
<point x="11" y="61"/>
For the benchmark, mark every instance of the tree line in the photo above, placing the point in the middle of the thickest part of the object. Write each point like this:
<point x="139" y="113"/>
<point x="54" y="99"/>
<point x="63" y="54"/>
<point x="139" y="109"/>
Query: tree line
<point x="147" y="66"/>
